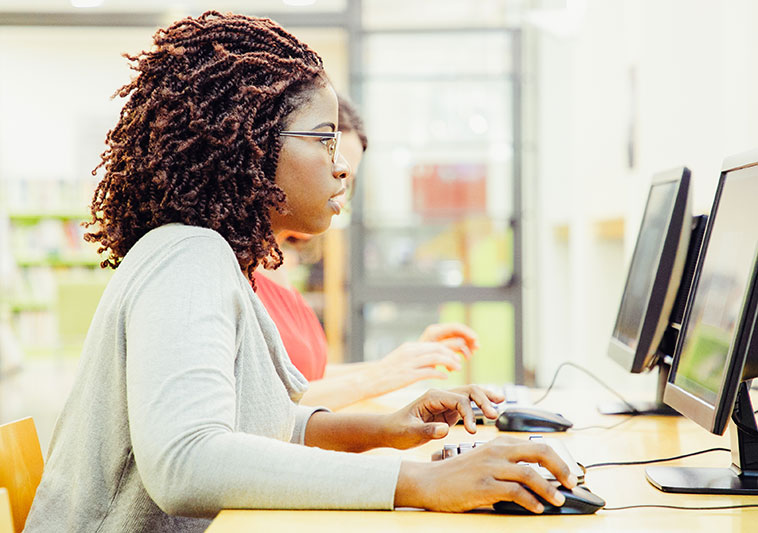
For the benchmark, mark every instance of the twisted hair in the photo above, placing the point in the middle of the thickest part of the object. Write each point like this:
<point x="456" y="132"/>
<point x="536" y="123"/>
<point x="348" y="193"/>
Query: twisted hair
<point x="197" y="140"/>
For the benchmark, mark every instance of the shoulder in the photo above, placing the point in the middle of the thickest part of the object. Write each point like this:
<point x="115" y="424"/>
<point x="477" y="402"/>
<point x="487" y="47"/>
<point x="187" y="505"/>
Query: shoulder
<point x="183" y="260"/>
<point x="176" y="242"/>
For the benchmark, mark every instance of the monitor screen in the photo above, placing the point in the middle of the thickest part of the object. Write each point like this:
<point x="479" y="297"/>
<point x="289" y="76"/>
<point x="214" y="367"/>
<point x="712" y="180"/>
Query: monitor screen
<point x="716" y="353"/>
<point x="655" y="272"/>
<point x="644" y="264"/>
<point x="724" y="276"/>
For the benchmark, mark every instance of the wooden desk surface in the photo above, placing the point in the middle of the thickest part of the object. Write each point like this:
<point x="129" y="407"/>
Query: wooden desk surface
<point x="637" y="439"/>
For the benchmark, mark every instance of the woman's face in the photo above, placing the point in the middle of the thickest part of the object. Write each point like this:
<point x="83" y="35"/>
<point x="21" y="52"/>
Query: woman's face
<point x="305" y="171"/>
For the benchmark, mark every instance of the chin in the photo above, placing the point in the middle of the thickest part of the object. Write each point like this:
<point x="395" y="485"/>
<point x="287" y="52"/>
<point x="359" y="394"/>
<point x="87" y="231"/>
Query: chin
<point x="316" y="229"/>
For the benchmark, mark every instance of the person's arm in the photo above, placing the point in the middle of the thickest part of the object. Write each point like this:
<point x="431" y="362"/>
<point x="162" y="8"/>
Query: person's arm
<point x="428" y="417"/>
<point x="409" y="363"/>
<point x="439" y="346"/>
<point x="489" y="475"/>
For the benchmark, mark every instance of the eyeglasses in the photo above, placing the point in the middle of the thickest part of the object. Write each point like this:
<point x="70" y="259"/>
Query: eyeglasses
<point x="330" y="139"/>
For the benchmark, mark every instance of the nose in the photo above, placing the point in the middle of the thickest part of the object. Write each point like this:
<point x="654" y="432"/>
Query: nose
<point x="341" y="169"/>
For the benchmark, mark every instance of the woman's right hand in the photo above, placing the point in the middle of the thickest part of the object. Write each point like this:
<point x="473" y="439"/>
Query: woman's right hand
<point x="483" y="476"/>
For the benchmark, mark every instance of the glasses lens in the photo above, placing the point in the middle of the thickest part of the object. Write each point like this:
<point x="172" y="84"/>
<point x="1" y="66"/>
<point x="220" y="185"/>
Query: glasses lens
<point x="331" y="148"/>
<point x="336" y="149"/>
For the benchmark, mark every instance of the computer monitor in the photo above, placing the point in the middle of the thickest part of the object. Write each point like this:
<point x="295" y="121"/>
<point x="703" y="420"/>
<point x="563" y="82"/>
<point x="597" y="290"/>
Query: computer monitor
<point x="717" y="351"/>
<point x="653" y="282"/>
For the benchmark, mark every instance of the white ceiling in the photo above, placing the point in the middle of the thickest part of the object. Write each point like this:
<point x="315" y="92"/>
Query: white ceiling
<point x="142" y="6"/>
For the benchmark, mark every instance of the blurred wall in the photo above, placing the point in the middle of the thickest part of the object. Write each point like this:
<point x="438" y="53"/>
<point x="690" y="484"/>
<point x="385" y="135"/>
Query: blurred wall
<point x="622" y="90"/>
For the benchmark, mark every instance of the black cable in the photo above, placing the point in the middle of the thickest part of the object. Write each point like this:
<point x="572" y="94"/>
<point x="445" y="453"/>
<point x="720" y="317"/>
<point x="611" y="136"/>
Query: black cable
<point x="662" y="460"/>
<point x="593" y="376"/>
<point x="681" y="507"/>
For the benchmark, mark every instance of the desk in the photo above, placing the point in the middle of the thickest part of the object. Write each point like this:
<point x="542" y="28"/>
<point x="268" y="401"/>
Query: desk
<point x="639" y="438"/>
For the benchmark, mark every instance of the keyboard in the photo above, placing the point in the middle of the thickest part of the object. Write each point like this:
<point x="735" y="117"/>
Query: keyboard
<point x="451" y="450"/>
<point x="517" y="394"/>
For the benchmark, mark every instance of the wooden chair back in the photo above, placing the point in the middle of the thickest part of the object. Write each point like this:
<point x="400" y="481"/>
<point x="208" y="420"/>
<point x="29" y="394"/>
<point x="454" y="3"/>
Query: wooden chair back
<point x="20" y="466"/>
<point x="6" y="519"/>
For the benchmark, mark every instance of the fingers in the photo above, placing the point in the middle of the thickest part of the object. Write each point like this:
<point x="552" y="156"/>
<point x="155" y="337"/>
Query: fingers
<point x="517" y="493"/>
<point x="543" y="455"/>
<point x="532" y="485"/>
<point x="421" y="374"/>
<point x="457" y="344"/>
<point x="429" y="354"/>
<point x="446" y="404"/>
<point x="472" y="390"/>
<point x="481" y="398"/>
<point x="438" y="332"/>
<point x="436" y="430"/>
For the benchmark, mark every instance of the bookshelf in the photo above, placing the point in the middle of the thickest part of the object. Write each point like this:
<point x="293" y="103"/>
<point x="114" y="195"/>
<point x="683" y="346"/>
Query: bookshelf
<point x="53" y="280"/>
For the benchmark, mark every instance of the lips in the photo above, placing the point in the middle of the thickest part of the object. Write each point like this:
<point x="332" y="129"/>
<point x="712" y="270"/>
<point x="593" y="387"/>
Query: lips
<point x="337" y="201"/>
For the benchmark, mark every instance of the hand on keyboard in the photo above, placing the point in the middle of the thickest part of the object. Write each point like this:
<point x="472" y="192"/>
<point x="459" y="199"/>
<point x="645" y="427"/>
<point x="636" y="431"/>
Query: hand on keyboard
<point x="430" y="416"/>
<point x="451" y="450"/>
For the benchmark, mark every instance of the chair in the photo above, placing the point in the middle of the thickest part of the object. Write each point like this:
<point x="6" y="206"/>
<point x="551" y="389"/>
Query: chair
<point x="20" y="466"/>
<point x="6" y="520"/>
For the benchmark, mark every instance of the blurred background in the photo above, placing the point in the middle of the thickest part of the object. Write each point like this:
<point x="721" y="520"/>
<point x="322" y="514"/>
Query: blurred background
<point x="511" y="146"/>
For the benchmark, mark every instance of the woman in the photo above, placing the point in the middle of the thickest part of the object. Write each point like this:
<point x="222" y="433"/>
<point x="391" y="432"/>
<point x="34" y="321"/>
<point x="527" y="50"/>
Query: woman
<point x="338" y="385"/>
<point x="185" y="400"/>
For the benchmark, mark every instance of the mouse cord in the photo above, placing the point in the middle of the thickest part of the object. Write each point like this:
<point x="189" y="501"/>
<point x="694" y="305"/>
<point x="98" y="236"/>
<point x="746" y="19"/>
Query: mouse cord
<point x="651" y="461"/>
<point x="593" y="376"/>
<point x="681" y="507"/>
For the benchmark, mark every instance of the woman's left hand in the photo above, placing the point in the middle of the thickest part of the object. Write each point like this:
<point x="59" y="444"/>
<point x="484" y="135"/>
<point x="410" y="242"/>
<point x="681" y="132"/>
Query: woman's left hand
<point x="431" y="415"/>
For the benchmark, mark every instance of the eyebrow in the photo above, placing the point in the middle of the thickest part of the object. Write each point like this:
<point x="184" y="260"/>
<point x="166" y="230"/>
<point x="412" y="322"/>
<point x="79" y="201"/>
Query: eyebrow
<point x="325" y="124"/>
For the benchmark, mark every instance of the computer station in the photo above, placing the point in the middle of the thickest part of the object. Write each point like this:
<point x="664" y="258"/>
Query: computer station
<point x="378" y="265"/>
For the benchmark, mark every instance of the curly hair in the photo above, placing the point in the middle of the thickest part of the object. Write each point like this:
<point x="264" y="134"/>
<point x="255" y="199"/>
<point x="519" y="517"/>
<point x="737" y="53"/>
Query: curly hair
<point x="197" y="140"/>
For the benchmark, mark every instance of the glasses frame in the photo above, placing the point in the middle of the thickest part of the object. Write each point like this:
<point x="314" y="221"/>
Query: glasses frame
<point x="330" y="139"/>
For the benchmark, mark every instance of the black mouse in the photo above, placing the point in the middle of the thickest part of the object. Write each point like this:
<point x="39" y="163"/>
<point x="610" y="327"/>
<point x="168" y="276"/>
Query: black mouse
<point x="532" y="420"/>
<point x="579" y="500"/>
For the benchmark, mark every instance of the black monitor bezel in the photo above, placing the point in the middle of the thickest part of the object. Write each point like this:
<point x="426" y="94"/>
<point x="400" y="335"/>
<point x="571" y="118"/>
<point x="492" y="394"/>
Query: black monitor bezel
<point x="662" y="296"/>
<point x="714" y="418"/>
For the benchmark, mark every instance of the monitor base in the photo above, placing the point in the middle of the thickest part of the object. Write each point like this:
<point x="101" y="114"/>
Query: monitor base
<point x="641" y="408"/>
<point x="700" y="480"/>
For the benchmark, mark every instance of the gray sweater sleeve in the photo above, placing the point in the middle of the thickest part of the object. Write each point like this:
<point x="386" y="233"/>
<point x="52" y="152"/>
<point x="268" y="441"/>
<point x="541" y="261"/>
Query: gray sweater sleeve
<point x="182" y="342"/>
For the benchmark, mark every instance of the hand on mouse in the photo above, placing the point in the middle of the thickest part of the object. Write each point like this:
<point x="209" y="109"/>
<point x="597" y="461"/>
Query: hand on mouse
<point x="483" y="476"/>
<point x="430" y="416"/>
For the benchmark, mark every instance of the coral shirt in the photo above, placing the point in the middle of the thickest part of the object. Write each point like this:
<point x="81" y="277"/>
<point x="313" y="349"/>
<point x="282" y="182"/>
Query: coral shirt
<point x="302" y="333"/>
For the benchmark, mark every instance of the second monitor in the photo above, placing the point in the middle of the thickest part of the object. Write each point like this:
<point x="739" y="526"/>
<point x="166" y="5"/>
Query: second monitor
<point x="716" y="355"/>
<point x="657" y="285"/>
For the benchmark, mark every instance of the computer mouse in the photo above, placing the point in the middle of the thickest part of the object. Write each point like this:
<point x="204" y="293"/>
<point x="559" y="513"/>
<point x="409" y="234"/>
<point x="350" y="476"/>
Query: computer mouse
<point x="579" y="500"/>
<point x="532" y="420"/>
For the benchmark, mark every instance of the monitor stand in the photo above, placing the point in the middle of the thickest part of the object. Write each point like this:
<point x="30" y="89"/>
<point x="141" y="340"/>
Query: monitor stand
<point x="740" y="478"/>
<point x="656" y="407"/>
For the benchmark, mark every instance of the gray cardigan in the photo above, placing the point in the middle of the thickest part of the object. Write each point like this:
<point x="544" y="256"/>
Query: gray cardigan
<point x="184" y="404"/>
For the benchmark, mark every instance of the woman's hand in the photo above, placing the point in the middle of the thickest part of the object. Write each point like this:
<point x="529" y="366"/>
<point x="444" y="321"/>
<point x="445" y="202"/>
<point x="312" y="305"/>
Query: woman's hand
<point x="413" y="361"/>
<point x="431" y="416"/>
<point x="457" y="337"/>
<point x="483" y="476"/>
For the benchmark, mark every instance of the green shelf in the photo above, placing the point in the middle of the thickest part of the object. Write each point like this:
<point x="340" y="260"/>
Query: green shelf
<point x="33" y="217"/>
<point x="87" y="261"/>
<point x="29" y="305"/>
